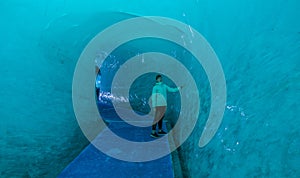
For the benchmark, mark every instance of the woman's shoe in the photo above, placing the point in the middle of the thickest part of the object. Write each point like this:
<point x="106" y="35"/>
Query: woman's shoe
<point x="154" y="135"/>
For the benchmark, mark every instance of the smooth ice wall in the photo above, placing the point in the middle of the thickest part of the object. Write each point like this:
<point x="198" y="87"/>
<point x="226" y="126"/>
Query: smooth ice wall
<point x="257" y="43"/>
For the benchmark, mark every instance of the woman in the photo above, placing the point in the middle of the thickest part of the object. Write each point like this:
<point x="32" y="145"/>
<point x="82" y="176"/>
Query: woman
<point x="159" y="103"/>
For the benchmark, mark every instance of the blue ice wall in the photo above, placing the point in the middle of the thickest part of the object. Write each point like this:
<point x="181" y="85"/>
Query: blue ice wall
<point x="258" y="44"/>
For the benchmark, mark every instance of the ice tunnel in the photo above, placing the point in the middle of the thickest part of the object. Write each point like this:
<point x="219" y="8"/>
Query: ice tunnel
<point x="257" y="44"/>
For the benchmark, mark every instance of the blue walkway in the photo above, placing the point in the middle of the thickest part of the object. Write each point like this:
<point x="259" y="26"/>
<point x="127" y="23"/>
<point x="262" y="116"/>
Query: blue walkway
<point x="93" y="163"/>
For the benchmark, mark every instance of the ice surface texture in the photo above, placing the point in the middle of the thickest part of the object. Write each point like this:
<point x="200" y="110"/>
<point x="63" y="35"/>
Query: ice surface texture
<point x="258" y="44"/>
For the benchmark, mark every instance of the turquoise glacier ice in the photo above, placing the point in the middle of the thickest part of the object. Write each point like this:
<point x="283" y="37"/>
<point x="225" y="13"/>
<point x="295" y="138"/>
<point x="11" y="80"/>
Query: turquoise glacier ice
<point x="256" y="41"/>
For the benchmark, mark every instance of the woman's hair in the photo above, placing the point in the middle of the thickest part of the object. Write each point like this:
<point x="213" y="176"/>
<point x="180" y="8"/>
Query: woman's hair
<point x="158" y="76"/>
